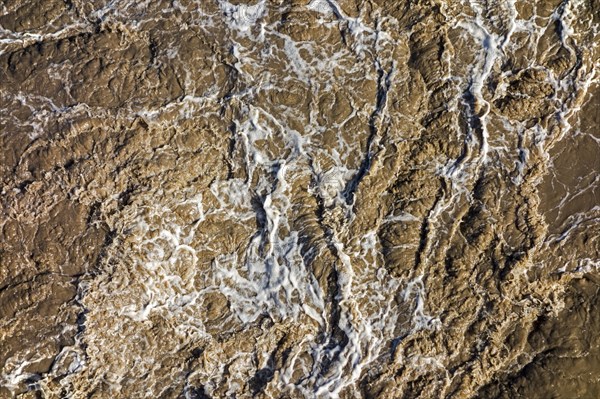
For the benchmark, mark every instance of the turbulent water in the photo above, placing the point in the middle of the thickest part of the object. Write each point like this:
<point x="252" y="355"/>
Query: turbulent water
<point x="299" y="199"/>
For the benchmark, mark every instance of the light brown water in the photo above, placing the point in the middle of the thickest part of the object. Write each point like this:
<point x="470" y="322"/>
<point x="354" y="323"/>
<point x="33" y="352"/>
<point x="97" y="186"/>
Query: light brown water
<point x="299" y="199"/>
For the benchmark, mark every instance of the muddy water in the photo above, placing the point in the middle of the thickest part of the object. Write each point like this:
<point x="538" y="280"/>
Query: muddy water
<point x="299" y="199"/>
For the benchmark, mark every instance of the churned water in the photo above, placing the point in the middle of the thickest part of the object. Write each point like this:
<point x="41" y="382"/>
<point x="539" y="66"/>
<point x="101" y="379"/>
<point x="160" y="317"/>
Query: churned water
<point x="299" y="199"/>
